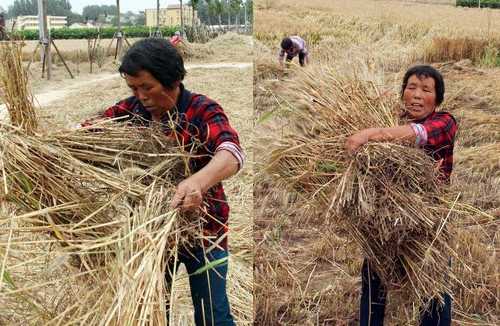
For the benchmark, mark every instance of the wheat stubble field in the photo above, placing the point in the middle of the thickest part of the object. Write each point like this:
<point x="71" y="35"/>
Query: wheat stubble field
<point x="307" y="267"/>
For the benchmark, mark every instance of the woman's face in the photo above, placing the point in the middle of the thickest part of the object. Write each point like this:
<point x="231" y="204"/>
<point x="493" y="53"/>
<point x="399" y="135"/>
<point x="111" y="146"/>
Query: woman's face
<point x="155" y="98"/>
<point x="419" y="97"/>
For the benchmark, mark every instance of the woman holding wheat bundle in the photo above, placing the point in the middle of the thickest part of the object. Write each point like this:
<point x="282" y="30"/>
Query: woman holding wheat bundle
<point x="422" y="92"/>
<point x="154" y="70"/>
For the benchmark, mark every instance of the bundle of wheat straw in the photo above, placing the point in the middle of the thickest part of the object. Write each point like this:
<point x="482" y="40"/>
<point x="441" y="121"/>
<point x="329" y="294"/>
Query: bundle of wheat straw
<point x="132" y="283"/>
<point x="14" y="87"/>
<point x="267" y="68"/>
<point x="82" y="177"/>
<point x="128" y="286"/>
<point x="386" y="195"/>
<point x="116" y="226"/>
<point x="266" y="65"/>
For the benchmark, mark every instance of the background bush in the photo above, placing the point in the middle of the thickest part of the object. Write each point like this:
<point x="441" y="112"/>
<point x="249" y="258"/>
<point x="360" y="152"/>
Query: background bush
<point x="475" y="3"/>
<point x="84" y="33"/>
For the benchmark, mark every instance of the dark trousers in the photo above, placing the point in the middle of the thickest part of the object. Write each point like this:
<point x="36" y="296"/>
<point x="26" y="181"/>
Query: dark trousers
<point x="208" y="289"/>
<point x="301" y="58"/>
<point x="373" y="299"/>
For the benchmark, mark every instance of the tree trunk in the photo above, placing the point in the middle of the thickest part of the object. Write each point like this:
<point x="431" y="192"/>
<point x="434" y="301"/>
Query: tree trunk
<point x="246" y="18"/>
<point x="194" y="30"/>
<point x="157" y="15"/>
<point x="44" y="37"/>
<point x="209" y="18"/>
<point x="183" y="33"/>
<point x="238" y="21"/>
<point x="192" y="19"/>
<point x="118" y="17"/>
<point x="119" y="36"/>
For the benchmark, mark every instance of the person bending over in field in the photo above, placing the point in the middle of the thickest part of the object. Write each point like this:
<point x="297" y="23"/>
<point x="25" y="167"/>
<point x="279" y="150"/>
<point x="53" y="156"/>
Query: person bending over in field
<point x="154" y="70"/>
<point x="176" y="38"/>
<point x="422" y="92"/>
<point x="291" y="47"/>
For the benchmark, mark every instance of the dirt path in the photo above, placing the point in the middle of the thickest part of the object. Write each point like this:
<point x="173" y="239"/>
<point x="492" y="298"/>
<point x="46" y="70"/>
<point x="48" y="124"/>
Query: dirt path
<point x="45" y="98"/>
<point x="236" y="65"/>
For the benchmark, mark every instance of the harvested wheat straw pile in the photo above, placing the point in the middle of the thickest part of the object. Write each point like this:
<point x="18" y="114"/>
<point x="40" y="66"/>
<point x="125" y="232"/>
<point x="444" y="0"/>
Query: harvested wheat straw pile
<point x="99" y="198"/>
<point x="190" y="51"/>
<point x="83" y="170"/>
<point x="266" y="65"/>
<point x="14" y="89"/>
<point x="386" y="195"/>
<point x="116" y="227"/>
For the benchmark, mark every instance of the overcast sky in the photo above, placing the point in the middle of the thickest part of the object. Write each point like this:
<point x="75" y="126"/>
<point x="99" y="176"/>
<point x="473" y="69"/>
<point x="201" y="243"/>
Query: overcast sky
<point x="125" y="5"/>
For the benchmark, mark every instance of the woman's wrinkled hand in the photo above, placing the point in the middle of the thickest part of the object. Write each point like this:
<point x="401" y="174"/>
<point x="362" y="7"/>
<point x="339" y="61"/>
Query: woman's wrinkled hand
<point x="188" y="195"/>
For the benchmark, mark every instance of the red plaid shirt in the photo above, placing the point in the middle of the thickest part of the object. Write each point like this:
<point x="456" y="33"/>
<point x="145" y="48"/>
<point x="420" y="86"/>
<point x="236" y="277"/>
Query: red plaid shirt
<point x="202" y="126"/>
<point x="438" y="140"/>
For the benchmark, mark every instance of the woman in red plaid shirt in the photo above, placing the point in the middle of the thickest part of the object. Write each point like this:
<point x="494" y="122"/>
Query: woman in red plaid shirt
<point x="154" y="70"/>
<point x="422" y="92"/>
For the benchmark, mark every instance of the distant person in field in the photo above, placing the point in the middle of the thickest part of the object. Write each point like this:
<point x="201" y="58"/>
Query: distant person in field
<point x="176" y="38"/>
<point x="290" y="48"/>
<point x="154" y="71"/>
<point x="422" y="92"/>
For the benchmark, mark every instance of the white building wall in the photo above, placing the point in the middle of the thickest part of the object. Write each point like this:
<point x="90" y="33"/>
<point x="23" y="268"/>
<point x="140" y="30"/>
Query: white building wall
<point x="31" y="22"/>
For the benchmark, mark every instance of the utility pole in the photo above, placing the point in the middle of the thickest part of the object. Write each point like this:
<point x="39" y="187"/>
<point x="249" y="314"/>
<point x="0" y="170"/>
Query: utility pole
<point x="44" y="37"/>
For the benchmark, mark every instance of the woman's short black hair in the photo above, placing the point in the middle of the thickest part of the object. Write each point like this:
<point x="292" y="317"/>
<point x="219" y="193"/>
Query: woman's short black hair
<point x="286" y="43"/>
<point x="426" y="71"/>
<point x="157" y="56"/>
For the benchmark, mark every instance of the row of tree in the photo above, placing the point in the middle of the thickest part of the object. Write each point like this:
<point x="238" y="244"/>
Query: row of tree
<point x="100" y="14"/>
<point x="211" y="12"/>
<point x="94" y="13"/>
<point x="224" y="12"/>
<point x="54" y="8"/>
<point x="30" y="7"/>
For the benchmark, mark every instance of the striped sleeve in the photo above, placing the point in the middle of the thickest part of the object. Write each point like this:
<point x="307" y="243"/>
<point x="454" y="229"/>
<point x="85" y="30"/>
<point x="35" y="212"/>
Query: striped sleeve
<point x="420" y="133"/>
<point x="235" y="150"/>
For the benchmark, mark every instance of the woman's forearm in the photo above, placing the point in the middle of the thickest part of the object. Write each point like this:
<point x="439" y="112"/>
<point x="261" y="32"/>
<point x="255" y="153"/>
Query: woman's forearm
<point x="222" y="166"/>
<point x="403" y="133"/>
<point x="399" y="133"/>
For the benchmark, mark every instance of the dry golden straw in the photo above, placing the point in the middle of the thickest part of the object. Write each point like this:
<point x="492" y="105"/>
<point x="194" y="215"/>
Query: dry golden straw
<point x="386" y="196"/>
<point x="102" y="193"/>
<point x="14" y="87"/>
